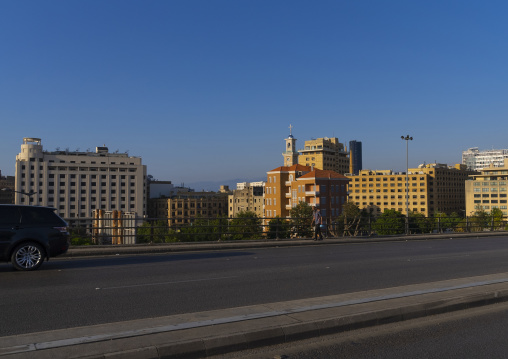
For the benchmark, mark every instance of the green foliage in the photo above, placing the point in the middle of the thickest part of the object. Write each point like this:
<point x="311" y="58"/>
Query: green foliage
<point x="205" y="229"/>
<point x="301" y="220"/>
<point x="278" y="228"/>
<point x="155" y="232"/>
<point x="352" y="222"/>
<point x="479" y="221"/>
<point x="443" y="222"/>
<point x="390" y="222"/>
<point x="418" y="223"/>
<point x="246" y="225"/>
<point x="79" y="237"/>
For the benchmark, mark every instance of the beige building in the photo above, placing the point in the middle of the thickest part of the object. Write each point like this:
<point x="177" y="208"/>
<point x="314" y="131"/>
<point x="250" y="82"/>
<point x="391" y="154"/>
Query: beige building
<point x="432" y="188"/>
<point x="248" y="196"/>
<point x="77" y="183"/>
<point x="183" y="208"/>
<point x="325" y="154"/>
<point x="488" y="190"/>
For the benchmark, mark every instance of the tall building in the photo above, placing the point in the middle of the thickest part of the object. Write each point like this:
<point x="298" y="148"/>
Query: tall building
<point x="476" y="160"/>
<point x="325" y="154"/>
<point x="432" y="188"/>
<point x="7" y="185"/>
<point x="287" y="186"/>
<point x="488" y="190"/>
<point x="77" y="183"/>
<point x="355" y="157"/>
<point x="248" y="196"/>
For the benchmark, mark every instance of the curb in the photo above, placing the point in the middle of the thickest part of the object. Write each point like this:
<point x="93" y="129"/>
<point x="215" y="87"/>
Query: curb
<point x="284" y="322"/>
<point x="133" y="249"/>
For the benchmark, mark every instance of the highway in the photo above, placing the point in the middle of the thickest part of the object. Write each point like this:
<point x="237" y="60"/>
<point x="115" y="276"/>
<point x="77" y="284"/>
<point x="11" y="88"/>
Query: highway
<point x="67" y="293"/>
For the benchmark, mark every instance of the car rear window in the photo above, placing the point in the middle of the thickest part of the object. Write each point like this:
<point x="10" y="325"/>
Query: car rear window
<point x="41" y="215"/>
<point x="9" y="215"/>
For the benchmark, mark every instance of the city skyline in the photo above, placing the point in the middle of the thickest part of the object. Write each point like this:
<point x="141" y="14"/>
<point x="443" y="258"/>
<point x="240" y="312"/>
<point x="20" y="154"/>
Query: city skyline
<point x="207" y="90"/>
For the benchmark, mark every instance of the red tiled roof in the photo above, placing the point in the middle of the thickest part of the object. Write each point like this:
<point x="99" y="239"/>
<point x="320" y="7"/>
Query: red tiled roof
<point x="296" y="167"/>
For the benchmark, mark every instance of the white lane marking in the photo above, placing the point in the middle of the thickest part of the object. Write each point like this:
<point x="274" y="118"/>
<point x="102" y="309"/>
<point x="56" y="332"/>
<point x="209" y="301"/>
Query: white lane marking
<point x="437" y="258"/>
<point x="165" y="283"/>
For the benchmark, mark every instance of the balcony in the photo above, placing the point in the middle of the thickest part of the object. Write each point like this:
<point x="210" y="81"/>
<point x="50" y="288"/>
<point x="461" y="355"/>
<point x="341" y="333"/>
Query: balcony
<point x="288" y="206"/>
<point x="287" y="183"/>
<point x="288" y="195"/>
<point x="311" y="193"/>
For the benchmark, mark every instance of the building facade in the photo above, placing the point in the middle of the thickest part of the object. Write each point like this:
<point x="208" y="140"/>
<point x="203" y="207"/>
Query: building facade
<point x="184" y="208"/>
<point x="248" y="196"/>
<point x="77" y="183"/>
<point x="432" y="188"/>
<point x="325" y="154"/>
<point x="488" y="190"/>
<point x="7" y="186"/>
<point x="476" y="160"/>
<point x="355" y="157"/>
<point x="287" y="186"/>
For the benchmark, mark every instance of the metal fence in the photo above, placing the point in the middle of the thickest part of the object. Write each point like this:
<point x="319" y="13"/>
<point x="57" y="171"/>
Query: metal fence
<point x="135" y="230"/>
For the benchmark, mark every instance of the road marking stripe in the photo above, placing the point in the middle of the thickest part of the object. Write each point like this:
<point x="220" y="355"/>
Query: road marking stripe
<point x="163" y="283"/>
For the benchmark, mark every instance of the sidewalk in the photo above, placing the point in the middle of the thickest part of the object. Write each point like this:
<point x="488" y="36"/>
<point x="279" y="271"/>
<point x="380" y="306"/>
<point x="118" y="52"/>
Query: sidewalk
<point x="197" y="335"/>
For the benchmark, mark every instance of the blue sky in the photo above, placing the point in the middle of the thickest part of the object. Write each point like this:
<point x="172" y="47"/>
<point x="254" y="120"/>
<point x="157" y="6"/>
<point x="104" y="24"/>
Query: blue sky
<point x="206" y="90"/>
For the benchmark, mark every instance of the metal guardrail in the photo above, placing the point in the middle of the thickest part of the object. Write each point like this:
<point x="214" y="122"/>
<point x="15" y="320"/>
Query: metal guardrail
<point x="111" y="231"/>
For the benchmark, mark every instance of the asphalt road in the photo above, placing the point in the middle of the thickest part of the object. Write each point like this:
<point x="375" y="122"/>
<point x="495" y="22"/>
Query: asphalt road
<point x="79" y="292"/>
<point x="474" y="333"/>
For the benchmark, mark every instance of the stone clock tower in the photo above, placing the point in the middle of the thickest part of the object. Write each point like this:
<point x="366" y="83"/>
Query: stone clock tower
<point x="290" y="154"/>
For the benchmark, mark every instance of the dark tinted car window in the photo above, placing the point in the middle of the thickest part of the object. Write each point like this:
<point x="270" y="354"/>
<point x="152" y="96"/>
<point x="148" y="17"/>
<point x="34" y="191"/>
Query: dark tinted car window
<point x="9" y="215"/>
<point x="41" y="215"/>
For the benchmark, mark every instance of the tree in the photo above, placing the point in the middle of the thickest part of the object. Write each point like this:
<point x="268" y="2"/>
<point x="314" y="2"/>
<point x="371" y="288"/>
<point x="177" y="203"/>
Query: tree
<point x="301" y="219"/>
<point x="278" y="228"/>
<point x="479" y="221"/>
<point x="246" y="225"/>
<point x="352" y="221"/>
<point x="390" y="222"/>
<point x="205" y="229"/>
<point x="155" y="232"/>
<point x="418" y="223"/>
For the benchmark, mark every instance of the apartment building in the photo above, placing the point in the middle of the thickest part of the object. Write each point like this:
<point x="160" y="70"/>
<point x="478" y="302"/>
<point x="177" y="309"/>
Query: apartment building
<point x="325" y="154"/>
<point x="488" y="189"/>
<point x="287" y="186"/>
<point x="431" y="188"/>
<point x="183" y="208"/>
<point x="476" y="160"/>
<point x="77" y="183"/>
<point x="248" y="196"/>
<point x="7" y="185"/>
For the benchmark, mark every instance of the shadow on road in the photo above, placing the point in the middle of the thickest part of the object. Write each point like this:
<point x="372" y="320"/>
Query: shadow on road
<point x="122" y="260"/>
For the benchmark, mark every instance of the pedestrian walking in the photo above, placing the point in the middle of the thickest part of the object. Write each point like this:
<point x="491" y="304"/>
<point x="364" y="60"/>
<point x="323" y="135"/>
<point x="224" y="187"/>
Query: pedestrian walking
<point x="317" y="221"/>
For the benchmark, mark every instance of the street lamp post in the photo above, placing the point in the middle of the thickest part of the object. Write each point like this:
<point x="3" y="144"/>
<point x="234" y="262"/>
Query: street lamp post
<point x="407" y="138"/>
<point x="29" y="195"/>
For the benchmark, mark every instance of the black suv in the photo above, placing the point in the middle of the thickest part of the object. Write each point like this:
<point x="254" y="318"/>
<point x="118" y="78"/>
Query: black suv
<point x="29" y="234"/>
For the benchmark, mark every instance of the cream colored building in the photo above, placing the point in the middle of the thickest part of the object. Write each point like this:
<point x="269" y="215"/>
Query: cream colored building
<point x="77" y="183"/>
<point x="432" y="188"/>
<point x="488" y="190"/>
<point x="325" y="154"/>
<point x="248" y="196"/>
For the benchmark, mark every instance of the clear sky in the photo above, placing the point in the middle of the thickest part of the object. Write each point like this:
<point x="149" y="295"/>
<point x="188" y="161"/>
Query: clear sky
<point x="206" y="90"/>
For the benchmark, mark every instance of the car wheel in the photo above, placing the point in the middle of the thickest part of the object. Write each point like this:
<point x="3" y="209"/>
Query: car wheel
<point x="27" y="256"/>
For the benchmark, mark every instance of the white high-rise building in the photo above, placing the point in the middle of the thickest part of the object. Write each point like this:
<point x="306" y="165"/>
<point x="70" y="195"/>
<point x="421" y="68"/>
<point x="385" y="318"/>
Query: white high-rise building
<point x="77" y="183"/>
<point x="476" y="160"/>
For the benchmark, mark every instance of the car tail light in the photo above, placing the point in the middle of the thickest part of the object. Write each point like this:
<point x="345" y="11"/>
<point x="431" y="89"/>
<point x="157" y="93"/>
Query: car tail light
<point x="62" y="229"/>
